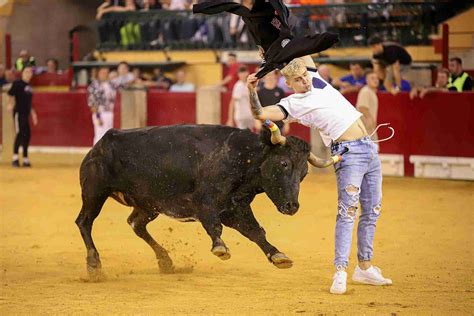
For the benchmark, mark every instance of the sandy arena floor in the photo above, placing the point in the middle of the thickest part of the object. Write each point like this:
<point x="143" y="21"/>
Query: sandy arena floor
<point x="423" y="242"/>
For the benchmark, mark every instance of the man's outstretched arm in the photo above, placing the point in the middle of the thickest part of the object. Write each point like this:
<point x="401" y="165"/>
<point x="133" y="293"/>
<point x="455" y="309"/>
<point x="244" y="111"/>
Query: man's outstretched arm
<point x="272" y="112"/>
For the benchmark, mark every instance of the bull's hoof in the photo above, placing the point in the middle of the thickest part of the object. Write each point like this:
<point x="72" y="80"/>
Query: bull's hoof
<point x="281" y="261"/>
<point x="96" y="274"/>
<point x="222" y="252"/>
<point x="166" y="266"/>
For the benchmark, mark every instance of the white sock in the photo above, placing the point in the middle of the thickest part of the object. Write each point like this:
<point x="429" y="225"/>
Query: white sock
<point x="15" y="157"/>
<point x="26" y="160"/>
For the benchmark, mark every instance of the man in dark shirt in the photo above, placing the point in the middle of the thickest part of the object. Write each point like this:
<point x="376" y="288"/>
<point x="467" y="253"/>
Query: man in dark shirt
<point x="19" y="101"/>
<point x="459" y="80"/>
<point x="391" y="58"/>
<point x="270" y="94"/>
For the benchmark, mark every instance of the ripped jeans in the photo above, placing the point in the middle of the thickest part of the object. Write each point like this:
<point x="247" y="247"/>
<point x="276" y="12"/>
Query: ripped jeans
<point x="359" y="179"/>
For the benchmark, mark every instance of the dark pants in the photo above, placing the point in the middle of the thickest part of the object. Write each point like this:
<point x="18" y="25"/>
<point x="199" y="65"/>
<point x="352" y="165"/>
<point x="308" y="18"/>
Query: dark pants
<point x="23" y="133"/>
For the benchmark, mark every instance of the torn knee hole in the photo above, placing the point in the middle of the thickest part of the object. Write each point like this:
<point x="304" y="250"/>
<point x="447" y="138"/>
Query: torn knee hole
<point x="352" y="190"/>
<point x="377" y="209"/>
<point x="350" y="211"/>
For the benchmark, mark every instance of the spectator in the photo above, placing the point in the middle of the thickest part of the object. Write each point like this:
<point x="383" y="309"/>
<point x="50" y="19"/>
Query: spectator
<point x="52" y="66"/>
<point x="368" y="103"/>
<point x="114" y="6"/>
<point x="325" y="73"/>
<point x="3" y="78"/>
<point x="405" y="86"/>
<point x="125" y="78"/>
<point x="101" y="101"/>
<point x="177" y="4"/>
<point x="239" y="105"/>
<point x="181" y="85"/>
<point x="232" y="69"/>
<point x="352" y="82"/>
<point x="459" y="80"/>
<point x="146" y="5"/>
<point x="20" y="96"/>
<point x="24" y="60"/>
<point x="271" y="94"/>
<point x="162" y="82"/>
<point x="440" y="86"/>
<point x="393" y="60"/>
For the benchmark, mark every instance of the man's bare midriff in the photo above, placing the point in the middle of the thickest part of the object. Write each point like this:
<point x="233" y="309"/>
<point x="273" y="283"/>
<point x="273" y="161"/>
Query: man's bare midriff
<point x="355" y="131"/>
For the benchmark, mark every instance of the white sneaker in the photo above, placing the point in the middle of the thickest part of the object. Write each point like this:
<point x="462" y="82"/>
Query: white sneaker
<point x="372" y="276"/>
<point x="339" y="282"/>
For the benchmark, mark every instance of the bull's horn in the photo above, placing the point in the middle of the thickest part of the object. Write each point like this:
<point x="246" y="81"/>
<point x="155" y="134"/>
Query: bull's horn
<point x="276" y="137"/>
<point x="323" y="163"/>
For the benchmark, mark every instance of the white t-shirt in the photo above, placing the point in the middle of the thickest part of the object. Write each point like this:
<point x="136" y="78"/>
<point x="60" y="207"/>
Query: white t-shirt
<point x="185" y="87"/>
<point x="322" y="108"/>
<point x="240" y="94"/>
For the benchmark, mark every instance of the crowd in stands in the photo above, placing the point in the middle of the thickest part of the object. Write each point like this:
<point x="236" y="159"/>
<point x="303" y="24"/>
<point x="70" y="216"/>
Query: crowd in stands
<point x="229" y="31"/>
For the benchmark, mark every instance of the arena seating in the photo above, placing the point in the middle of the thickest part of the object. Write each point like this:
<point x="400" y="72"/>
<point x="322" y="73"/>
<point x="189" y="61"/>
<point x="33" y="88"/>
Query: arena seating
<point x="408" y="23"/>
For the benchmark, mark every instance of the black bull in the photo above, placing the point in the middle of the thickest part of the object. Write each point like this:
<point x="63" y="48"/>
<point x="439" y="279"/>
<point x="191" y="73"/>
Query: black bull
<point x="206" y="173"/>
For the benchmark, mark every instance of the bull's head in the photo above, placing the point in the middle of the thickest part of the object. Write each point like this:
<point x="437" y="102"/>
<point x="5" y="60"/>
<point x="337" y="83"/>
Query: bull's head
<point x="285" y="166"/>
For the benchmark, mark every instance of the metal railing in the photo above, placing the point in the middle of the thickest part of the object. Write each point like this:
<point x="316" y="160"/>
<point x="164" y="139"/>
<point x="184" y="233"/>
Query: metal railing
<point x="409" y="23"/>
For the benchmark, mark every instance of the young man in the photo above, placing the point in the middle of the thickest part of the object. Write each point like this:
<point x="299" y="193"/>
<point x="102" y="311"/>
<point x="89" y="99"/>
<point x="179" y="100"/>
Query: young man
<point x="441" y="85"/>
<point x="459" y="80"/>
<point x="352" y="82"/>
<point x="19" y="101"/>
<point x="391" y="62"/>
<point x="239" y="106"/>
<point x="318" y="105"/>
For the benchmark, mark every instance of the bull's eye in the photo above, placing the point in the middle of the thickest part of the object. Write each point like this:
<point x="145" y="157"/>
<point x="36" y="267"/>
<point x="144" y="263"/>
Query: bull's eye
<point x="284" y="164"/>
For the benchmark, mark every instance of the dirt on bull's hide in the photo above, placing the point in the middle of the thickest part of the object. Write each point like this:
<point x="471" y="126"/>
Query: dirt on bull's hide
<point x="423" y="242"/>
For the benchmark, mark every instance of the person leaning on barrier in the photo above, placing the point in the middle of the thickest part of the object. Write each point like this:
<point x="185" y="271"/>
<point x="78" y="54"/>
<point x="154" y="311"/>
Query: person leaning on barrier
<point x="391" y="59"/>
<point x="440" y="86"/>
<point x="459" y="80"/>
<point x="24" y="60"/>
<point x="352" y="82"/>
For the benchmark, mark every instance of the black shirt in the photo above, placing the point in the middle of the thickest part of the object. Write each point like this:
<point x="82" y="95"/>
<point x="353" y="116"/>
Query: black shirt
<point x="271" y="97"/>
<point x="23" y="95"/>
<point x="393" y="52"/>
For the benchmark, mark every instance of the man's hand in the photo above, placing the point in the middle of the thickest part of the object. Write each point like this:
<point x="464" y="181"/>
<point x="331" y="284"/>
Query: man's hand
<point x="34" y="118"/>
<point x="395" y="91"/>
<point x="10" y="107"/>
<point x="252" y="81"/>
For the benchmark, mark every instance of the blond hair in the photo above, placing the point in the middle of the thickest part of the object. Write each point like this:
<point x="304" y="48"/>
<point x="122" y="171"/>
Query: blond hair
<point x="294" y="67"/>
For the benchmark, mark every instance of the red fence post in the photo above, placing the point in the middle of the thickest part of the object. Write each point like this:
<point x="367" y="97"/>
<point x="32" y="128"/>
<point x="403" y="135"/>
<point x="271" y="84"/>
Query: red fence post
<point x="8" y="51"/>
<point x="445" y="45"/>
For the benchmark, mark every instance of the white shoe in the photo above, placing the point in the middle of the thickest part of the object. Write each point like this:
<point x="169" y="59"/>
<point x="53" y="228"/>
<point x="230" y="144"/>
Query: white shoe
<point x="372" y="276"/>
<point x="339" y="282"/>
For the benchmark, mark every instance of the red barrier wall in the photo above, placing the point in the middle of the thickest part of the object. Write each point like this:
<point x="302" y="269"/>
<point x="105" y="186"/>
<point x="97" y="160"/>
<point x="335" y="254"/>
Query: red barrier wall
<point x="64" y="119"/>
<point x="46" y="79"/>
<point x="168" y="108"/>
<point x="441" y="124"/>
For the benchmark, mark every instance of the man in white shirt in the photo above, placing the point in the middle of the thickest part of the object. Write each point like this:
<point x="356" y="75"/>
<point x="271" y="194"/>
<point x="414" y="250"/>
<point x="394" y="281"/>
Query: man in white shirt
<point x="368" y="102"/>
<point x="239" y="105"/>
<point x="318" y="105"/>
<point x="181" y="85"/>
